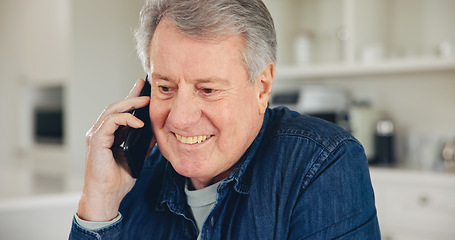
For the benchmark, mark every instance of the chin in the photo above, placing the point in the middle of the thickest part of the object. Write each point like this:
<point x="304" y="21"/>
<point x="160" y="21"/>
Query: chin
<point x="189" y="168"/>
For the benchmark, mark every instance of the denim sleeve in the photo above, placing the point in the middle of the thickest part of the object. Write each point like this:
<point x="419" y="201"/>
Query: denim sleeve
<point x="338" y="201"/>
<point x="107" y="233"/>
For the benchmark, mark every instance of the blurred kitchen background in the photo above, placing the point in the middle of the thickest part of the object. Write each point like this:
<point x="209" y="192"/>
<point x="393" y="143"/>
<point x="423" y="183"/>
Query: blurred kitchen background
<point x="382" y="69"/>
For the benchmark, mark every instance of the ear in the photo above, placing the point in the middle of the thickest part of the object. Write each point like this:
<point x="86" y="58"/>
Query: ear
<point x="264" y="83"/>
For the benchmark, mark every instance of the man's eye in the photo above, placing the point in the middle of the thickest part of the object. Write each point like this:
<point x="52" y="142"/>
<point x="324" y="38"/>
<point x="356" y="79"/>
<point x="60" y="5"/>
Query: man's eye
<point x="164" y="89"/>
<point x="207" y="90"/>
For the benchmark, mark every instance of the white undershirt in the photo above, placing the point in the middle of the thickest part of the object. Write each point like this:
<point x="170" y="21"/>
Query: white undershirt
<point x="201" y="202"/>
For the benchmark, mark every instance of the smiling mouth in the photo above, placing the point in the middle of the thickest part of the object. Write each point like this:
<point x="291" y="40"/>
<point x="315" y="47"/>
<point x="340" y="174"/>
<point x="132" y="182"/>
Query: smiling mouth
<point x="192" y="140"/>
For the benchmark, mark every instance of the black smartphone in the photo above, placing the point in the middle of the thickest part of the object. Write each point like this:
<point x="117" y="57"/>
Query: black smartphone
<point x="138" y="140"/>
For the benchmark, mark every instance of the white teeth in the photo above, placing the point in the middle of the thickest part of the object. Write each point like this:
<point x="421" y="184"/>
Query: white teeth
<point x="192" y="140"/>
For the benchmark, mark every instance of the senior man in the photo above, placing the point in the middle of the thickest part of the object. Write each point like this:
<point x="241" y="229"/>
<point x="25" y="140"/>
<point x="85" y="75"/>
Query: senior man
<point x="224" y="166"/>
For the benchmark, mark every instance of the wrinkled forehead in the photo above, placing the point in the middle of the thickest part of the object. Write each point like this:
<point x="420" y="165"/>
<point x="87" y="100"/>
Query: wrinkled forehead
<point x="172" y="51"/>
<point x="167" y="27"/>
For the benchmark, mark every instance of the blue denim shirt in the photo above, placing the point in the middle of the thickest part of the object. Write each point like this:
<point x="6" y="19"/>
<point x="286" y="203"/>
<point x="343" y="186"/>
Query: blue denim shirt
<point x="302" y="178"/>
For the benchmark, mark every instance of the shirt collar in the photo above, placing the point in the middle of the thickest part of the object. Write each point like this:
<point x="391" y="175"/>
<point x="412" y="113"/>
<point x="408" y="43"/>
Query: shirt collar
<point x="172" y="190"/>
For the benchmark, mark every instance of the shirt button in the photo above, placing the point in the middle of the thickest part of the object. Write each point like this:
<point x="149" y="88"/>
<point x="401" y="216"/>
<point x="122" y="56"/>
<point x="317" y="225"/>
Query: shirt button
<point x="212" y="221"/>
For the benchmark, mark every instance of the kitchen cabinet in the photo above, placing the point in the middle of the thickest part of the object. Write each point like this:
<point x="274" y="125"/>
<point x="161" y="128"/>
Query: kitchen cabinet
<point x="414" y="204"/>
<point x="363" y="37"/>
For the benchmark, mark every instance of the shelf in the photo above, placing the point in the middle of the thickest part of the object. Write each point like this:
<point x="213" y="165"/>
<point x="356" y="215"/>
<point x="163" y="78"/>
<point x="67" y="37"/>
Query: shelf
<point x="363" y="69"/>
<point x="350" y="31"/>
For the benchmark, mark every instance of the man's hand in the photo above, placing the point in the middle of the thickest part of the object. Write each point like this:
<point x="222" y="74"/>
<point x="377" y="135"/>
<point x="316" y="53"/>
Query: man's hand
<point x="107" y="178"/>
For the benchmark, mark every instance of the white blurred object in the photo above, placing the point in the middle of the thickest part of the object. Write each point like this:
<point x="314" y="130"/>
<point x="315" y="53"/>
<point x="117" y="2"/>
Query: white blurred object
<point x="373" y="53"/>
<point x="424" y="150"/>
<point x="447" y="49"/>
<point x="46" y="217"/>
<point x="315" y="99"/>
<point x="327" y="102"/>
<point x="302" y="47"/>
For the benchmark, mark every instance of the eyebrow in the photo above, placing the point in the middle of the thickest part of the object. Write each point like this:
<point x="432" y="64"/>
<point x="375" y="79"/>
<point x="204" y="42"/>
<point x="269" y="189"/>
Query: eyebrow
<point x="159" y="76"/>
<point x="214" y="80"/>
<point x="201" y="80"/>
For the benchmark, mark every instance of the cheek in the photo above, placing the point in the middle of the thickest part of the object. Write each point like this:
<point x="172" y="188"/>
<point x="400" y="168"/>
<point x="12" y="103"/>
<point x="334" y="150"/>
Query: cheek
<point x="235" y="120"/>
<point x="158" y="113"/>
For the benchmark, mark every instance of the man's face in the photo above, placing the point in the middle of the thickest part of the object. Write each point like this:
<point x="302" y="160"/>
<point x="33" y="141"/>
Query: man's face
<point x="204" y="111"/>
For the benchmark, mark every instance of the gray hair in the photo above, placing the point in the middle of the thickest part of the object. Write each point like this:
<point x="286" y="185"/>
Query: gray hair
<point x="208" y="19"/>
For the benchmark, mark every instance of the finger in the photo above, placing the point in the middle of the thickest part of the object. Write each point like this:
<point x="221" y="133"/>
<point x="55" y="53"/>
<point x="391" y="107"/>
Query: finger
<point x="105" y="134"/>
<point x="137" y="88"/>
<point x="127" y="105"/>
<point x="122" y="106"/>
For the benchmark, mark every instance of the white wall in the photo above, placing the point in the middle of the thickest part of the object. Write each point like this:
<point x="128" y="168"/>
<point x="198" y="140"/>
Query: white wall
<point x="9" y="66"/>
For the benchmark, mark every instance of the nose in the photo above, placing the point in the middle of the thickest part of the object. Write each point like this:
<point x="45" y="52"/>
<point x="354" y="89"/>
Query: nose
<point x="185" y="111"/>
